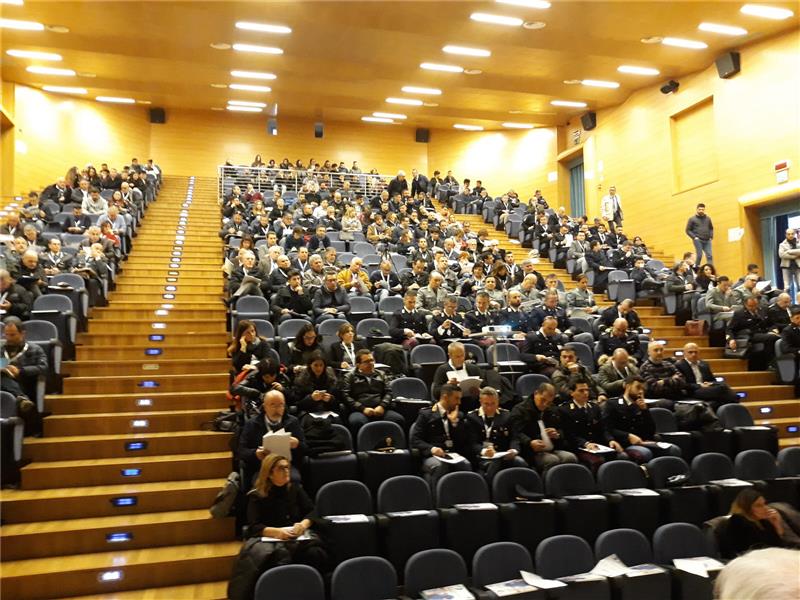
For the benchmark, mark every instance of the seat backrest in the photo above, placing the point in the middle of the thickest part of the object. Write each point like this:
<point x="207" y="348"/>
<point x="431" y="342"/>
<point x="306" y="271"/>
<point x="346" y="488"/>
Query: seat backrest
<point x="253" y="304"/>
<point x="789" y="462"/>
<point x="581" y="324"/>
<point x="500" y="561"/>
<point x="569" y="480"/>
<point x="408" y="387"/>
<point x="584" y="354"/>
<point x="343" y="498"/>
<point x="264" y="328"/>
<point x="364" y="578"/>
<point x="755" y="464"/>
<point x="563" y="555"/>
<point x="363" y="248"/>
<point x="329" y="327"/>
<point x="345" y="433"/>
<point x="711" y="466"/>
<point x="365" y="327"/>
<point x="345" y="257"/>
<point x="505" y="483"/>
<point x="71" y="279"/>
<point x="617" y="275"/>
<point x="461" y="487"/>
<point x="373" y="434"/>
<point x="40" y="331"/>
<point x="8" y="405"/>
<point x="288" y="329"/>
<point x="620" y="475"/>
<point x="361" y="304"/>
<point x="664" y="420"/>
<point x="434" y="568"/>
<point x="679" y="540"/>
<point x="734" y="415"/>
<point x="503" y="352"/>
<point x="390" y="304"/>
<point x="475" y="352"/>
<point x="404" y="492"/>
<point x="664" y="467"/>
<point x="427" y="353"/>
<point x="529" y="383"/>
<point x="280" y="583"/>
<point x="630" y="546"/>
<point x="53" y="302"/>
<point x="464" y="304"/>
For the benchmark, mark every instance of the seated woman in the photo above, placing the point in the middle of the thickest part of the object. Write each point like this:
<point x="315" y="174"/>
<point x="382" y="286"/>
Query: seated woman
<point x="280" y="509"/>
<point x="343" y="353"/>
<point x="246" y="348"/>
<point x="302" y="346"/>
<point x="751" y="525"/>
<point x="316" y="389"/>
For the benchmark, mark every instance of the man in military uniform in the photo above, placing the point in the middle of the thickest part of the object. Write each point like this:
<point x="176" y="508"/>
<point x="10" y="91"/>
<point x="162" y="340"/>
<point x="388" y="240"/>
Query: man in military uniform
<point x="513" y="314"/>
<point x="542" y="348"/>
<point x="476" y="320"/>
<point x="751" y="321"/>
<point x="490" y="433"/>
<point x="408" y="322"/>
<point x="585" y="429"/>
<point x="450" y="323"/>
<point x="621" y="337"/>
<point x="570" y="370"/>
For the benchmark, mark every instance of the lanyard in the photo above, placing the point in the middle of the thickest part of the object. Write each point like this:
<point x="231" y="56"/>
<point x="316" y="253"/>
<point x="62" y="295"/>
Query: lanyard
<point x="351" y="352"/>
<point x="488" y="428"/>
<point x="20" y="353"/>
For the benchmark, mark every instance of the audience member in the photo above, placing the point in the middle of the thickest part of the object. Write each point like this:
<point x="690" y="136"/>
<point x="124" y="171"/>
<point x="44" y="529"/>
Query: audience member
<point x="750" y="325"/>
<point x="491" y="434"/>
<point x="454" y="371"/>
<point x="662" y="379"/>
<point x="701" y="383"/>
<point x="330" y="301"/>
<point x="366" y="392"/>
<point x="247" y="348"/>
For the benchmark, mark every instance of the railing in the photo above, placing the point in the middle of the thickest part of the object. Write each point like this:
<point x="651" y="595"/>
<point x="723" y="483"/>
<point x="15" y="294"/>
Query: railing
<point x="266" y="180"/>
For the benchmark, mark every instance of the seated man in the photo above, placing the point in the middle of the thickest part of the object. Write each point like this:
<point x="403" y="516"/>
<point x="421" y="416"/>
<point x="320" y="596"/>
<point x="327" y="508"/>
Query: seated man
<point x="55" y="261"/>
<point x="237" y="285"/>
<point x="476" y="320"/>
<point x="721" y="300"/>
<point x="490" y="432"/>
<point x="417" y="278"/>
<point x="577" y="252"/>
<point x="580" y="301"/>
<point x="15" y="300"/>
<point x="531" y="296"/>
<point x="537" y="430"/>
<point x="385" y="282"/>
<point x="314" y="275"/>
<point x="620" y="337"/>
<point x="320" y="241"/>
<point x="78" y="222"/>
<point x="407" y="324"/>
<point x="366" y="393"/>
<point x="330" y="301"/>
<point x="450" y="323"/>
<point x="597" y="260"/>
<point x="440" y="432"/>
<point x="614" y="370"/>
<point x="300" y="262"/>
<point x="568" y="371"/>
<point x="791" y="345"/>
<point x="453" y="371"/>
<point x="513" y="315"/>
<point x="779" y="314"/>
<point x="750" y="322"/>
<point x="30" y="274"/>
<point x="430" y="298"/>
<point x="542" y="348"/>
<point x="291" y="301"/>
<point x="642" y="278"/>
<point x="280" y="274"/>
<point x="354" y="280"/>
<point x="26" y="361"/>
<point x="623" y="310"/>
<point x="630" y="423"/>
<point x="701" y="381"/>
<point x="585" y="429"/>
<point x="661" y="378"/>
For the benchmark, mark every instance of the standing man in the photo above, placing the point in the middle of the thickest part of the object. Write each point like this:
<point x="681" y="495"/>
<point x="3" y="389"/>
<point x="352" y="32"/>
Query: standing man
<point x="419" y="183"/>
<point x="611" y="208"/>
<point x="789" y="253"/>
<point x="701" y="231"/>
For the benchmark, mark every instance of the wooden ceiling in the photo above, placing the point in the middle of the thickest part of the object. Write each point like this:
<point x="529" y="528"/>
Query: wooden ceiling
<point x="343" y="59"/>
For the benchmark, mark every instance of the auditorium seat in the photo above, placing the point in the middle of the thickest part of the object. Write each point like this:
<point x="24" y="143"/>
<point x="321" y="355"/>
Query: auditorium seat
<point x="364" y="578"/>
<point x="375" y="467"/>
<point x="567" y="555"/>
<point x="249" y="308"/>
<point x="361" y="308"/>
<point x="667" y="431"/>
<point x="682" y="501"/>
<point x="431" y="569"/>
<point x="582" y="510"/>
<point x="789" y="462"/>
<point x="372" y="327"/>
<point x="526" y="516"/>
<point x="631" y="502"/>
<point x="684" y="540"/>
<point x="501" y="561"/>
<point x="529" y="383"/>
<point x="57" y="309"/>
<point x="633" y="548"/>
<point x="712" y="469"/>
<point x="350" y="528"/>
<point x="747" y="434"/>
<point x="410" y="395"/>
<point x="290" y="582"/>
<point x="760" y="467"/>
<point x="12" y="425"/>
<point x="73" y="287"/>
<point x="330" y="466"/>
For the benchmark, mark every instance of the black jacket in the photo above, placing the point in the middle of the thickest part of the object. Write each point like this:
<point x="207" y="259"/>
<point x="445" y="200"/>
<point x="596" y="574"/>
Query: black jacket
<point x="540" y="312"/>
<point x="453" y="332"/>
<point x="791" y="338"/>
<point x="338" y="355"/>
<point x="582" y="425"/>
<point x="324" y="299"/>
<point x="362" y="391"/>
<point x="686" y="370"/>
<point x="31" y="361"/>
<point x="440" y="376"/>
<point x="631" y="343"/>
<point x="538" y="343"/>
<point x="525" y="418"/>
<point x="20" y="299"/>
<point x="282" y="507"/>
<point x="739" y="534"/>
<point x="402" y="319"/>
<point x="517" y="319"/>
<point x="500" y="435"/>
<point x="475" y="321"/>
<point x="611" y="314"/>
<point x="306" y="383"/>
<point x="623" y="418"/>
<point x="298" y="304"/>
<point x="254" y="430"/>
<point x="778" y="317"/>
<point x="429" y="431"/>
<point x="743" y="319"/>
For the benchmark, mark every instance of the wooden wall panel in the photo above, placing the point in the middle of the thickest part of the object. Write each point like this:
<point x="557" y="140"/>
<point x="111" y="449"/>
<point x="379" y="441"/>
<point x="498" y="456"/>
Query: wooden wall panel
<point x="694" y="147"/>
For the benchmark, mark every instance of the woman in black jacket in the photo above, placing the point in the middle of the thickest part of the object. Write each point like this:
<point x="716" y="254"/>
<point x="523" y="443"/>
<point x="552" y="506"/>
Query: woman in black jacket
<point x="316" y="388"/>
<point x="302" y="346"/>
<point x="343" y="353"/>
<point x="246" y="348"/>
<point x="751" y="525"/>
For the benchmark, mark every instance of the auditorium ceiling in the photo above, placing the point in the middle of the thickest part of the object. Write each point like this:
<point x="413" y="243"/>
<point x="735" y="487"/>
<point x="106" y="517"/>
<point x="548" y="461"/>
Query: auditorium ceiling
<point x="343" y="59"/>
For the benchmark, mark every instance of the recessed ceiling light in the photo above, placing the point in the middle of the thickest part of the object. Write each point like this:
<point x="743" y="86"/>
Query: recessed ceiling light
<point x="376" y="120"/>
<point x="245" y="87"/>
<point x="517" y="112"/>
<point x="257" y="49"/>
<point x="430" y="104"/>
<point x="633" y="70"/>
<point x="526" y="3"/>
<point x="50" y="71"/>
<point x="34" y="54"/>
<point x="246" y="103"/>
<point x="253" y="75"/>
<point x="385" y="115"/>
<point x="768" y="12"/>
<point x="263" y="27"/>
<point x="220" y="85"/>
<point x="600" y="83"/>
<point x="115" y="100"/>
<point x="413" y="89"/>
<point x="682" y="43"/>
<point x="723" y="29"/>
<point x="534" y="25"/>
<point x="14" y="2"/>
<point x="440" y="67"/>
<point x="22" y="25"/>
<point x="468" y="127"/>
<point x="653" y="39"/>
<point x="220" y="46"/>
<point x="406" y="101"/>
<point x="235" y="108"/>
<point x="570" y="103"/>
<point x="510" y="125"/>
<point x="472" y="71"/>
<point x="63" y="89"/>
<point x="464" y="51"/>
<point x="57" y="28"/>
<point x="86" y="74"/>
<point x="496" y="19"/>
<point x="572" y="81"/>
<point x="143" y="102"/>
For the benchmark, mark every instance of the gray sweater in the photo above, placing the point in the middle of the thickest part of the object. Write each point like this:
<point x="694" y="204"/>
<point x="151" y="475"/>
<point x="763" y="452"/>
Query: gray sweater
<point x="700" y="227"/>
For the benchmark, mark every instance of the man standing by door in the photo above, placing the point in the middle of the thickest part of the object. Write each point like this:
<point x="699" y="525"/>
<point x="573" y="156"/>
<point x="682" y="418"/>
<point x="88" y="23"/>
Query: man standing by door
<point x="701" y="230"/>
<point x="611" y="208"/>
<point x="789" y="254"/>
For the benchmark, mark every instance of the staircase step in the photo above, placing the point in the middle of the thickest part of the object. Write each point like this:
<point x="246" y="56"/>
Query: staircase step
<point x="144" y="339"/>
<point x="36" y="578"/>
<point x="706" y="352"/>
<point x="174" y="325"/>
<point x="145" y="366"/>
<point x="109" y="471"/>
<point x="719" y="365"/>
<point x="177" y="313"/>
<point x="128" y="422"/>
<point x="735" y="379"/>
<point x="168" y="352"/>
<point x="150" y="382"/>
<point x="788" y="427"/>
<point x="83" y="536"/>
<point x="788" y="442"/>
<point x="197" y="289"/>
<point x="772" y="409"/>
<point x="217" y="590"/>
<point x="766" y="392"/>
<point x="143" y="400"/>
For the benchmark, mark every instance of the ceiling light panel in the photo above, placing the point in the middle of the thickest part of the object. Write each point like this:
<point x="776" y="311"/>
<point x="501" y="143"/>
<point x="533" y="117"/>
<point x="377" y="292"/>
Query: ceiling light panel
<point x="253" y="75"/>
<point x="722" y="29"/>
<point x="540" y="4"/>
<point x="465" y="51"/>
<point x="634" y="70"/>
<point x="257" y="49"/>
<point x="600" y="83"/>
<point x="246" y="103"/>
<point x="376" y="120"/>
<point x="246" y="87"/>
<point x="263" y="27"/>
<point x="569" y="103"/>
<point x="251" y="109"/>
<point x="115" y="100"/>
<point x="468" y="127"/>
<point x="63" y="89"/>
<point x="510" y="125"/>
<point x="682" y="43"/>
<point x="413" y="89"/>
<point x="50" y="71"/>
<point x="444" y="68"/>
<point x="405" y="101"/>
<point x="496" y="19"/>
<point x="767" y="12"/>
<point x="34" y="54"/>
<point x="21" y="25"/>
<point x="385" y="115"/>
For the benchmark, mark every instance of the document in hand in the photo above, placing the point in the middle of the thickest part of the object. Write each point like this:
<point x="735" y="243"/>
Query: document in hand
<point x="600" y="449"/>
<point x="451" y="457"/>
<point x="278" y="442"/>
<point x="465" y="381"/>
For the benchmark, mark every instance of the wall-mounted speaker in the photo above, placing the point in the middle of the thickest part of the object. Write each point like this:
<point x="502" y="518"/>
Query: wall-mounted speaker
<point x="589" y="121"/>
<point x="728" y="64"/>
<point x="318" y="130"/>
<point x="423" y="136"/>
<point x="272" y="126"/>
<point x="158" y="115"/>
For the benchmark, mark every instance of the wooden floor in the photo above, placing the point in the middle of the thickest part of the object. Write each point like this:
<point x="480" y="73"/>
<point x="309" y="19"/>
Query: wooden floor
<point x="114" y="503"/>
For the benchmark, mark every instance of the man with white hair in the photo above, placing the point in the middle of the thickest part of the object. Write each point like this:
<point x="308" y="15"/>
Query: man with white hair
<point x="354" y="279"/>
<point x="766" y="574"/>
<point x="248" y="268"/>
<point x="398" y="185"/>
<point x="430" y="298"/>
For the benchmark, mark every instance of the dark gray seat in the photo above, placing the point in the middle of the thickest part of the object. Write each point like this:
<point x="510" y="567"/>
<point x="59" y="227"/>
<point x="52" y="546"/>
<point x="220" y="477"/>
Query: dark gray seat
<point x="290" y="582"/>
<point x="364" y="578"/>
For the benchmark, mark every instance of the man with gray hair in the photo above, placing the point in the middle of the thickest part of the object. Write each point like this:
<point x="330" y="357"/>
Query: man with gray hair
<point x="398" y="185"/>
<point x="766" y="574"/>
<point x="494" y="446"/>
<point x="430" y="298"/>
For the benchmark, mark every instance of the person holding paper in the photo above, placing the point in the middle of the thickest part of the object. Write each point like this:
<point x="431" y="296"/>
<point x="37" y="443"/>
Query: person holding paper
<point x="316" y="389"/>
<point x="366" y="393"/>
<point x="455" y="371"/>
<point x="441" y="436"/>
<point x="752" y="524"/>
<point x="450" y="323"/>
<point x="542" y="348"/>
<point x="494" y="446"/>
<point x="408" y="323"/>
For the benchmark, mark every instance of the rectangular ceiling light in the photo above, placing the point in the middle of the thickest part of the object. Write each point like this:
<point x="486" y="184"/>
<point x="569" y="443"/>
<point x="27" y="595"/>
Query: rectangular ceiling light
<point x="405" y="101"/>
<point x="633" y="70"/>
<point x="496" y="19"/>
<point x="510" y="125"/>
<point x="23" y="25"/>
<point x="768" y="12"/>
<point x="468" y="127"/>
<point x="14" y="2"/>
<point x="723" y="29"/>
<point x="253" y="75"/>
<point x="570" y="103"/>
<point x="34" y="54"/>
<point x="253" y="109"/>
<point x="440" y="67"/>
<point x="681" y="43"/>
<point x="62" y="89"/>
<point x="600" y="83"/>
<point x="464" y="51"/>
<point x="246" y="103"/>
<point x="413" y="89"/>
<point x="249" y="88"/>
<point x="257" y="49"/>
<point x="50" y="71"/>
<point x="376" y="120"/>
<point x="385" y="115"/>
<point x="263" y="27"/>
<point x="526" y="3"/>
<point x="115" y="100"/>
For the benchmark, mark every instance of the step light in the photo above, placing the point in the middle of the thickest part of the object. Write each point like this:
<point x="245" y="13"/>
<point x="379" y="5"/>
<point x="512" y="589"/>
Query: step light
<point x="791" y="428"/>
<point x="765" y="410"/>
<point x="172" y="279"/>
<point x="144" y="402"/>
<point x="168" y="306"/>
<point x="148" y="383"/>
<point x="159" y="325"/>
<point x="135" y="446"/>
<point x="178" y="242"/>
<point x="174" y="273"/>
<point x="140" y="423"/>
<point x="162" y="313"/>
<point x="719" y="379"/>
<point x="131" y="472"/>
<point x="741" y="395"/>
<point x="168" y="296"/>
<point x="109" y="576"/>
<point x="153" y="351"/>
<point x="171" y="288"/>
<point x="114" y="538"/>
<point x="174" y="266"/>
<point x="124" y="501"/>
<point x="156" y="337"/>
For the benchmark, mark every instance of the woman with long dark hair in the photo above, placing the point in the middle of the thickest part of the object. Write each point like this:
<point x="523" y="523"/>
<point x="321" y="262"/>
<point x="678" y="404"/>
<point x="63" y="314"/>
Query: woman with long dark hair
<point x="316" y="389"/>
<point x="752" y="524"/>
<point x="303" y="345"/>
<point x="246" y="347"/>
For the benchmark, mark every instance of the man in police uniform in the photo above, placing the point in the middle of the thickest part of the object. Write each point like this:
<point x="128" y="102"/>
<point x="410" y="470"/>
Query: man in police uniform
<point x="513" y="314"/>
<point x="490" y="433"/>
<point x="476" y="320"/>
<point x="450" y="323"/>
<point x="585" y="429"/>
<point x="439" y="433"/>
<point x="408" y="322"/>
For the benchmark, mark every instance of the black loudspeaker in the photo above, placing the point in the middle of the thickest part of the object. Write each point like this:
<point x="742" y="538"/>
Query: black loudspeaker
<point x="589" y="121"/>
<point x="728" y="64"/>
<point x="423" y="136"/>
<point x="158" y="115"/>
<point x="317" y="130"/>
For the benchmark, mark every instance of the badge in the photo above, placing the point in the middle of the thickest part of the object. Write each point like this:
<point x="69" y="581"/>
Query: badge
<point x="448" y="444"/>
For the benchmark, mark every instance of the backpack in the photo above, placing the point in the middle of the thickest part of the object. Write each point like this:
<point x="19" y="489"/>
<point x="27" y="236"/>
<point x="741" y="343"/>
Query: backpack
<point x="235" y="400"/>
<point x="226" y="498"/>
<point x="322" y="437"/>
